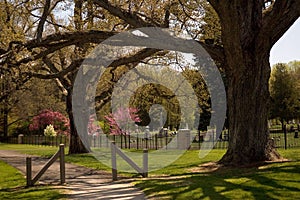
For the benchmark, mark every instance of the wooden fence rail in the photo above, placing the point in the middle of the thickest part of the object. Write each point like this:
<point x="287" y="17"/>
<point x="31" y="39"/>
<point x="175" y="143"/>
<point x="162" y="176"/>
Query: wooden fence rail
<point x="59" y="154"/>
<point x="115" y="150"/>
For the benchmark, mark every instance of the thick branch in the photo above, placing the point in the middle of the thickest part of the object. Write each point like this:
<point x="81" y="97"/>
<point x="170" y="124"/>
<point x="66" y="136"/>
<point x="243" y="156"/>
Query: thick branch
<point x="58" y="41"/>
<point x="136" y="58"/>
<point x="54" y="70"/>
<point x="131" y="62"/>
<point x="279" y="18"/>
<point x="214" y="4"/>
<point x="42" y="21"/>
<point x="129" y="17"/>
<point x="215" y="51"/>
<point x="82" y="37"/>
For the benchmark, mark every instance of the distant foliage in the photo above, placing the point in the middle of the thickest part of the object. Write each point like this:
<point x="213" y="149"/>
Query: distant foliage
<point x="120" y="121"/>
<point x="284" y="90"/>
<point x="46" y="117"/>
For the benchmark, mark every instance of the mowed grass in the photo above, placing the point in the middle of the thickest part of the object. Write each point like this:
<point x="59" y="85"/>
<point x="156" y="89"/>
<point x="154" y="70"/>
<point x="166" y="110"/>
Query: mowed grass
<point x="12" y="184"/>
<point x="271" y="181"/>
<point x="184" y="179"/>
<point x="44" y="151"/>
<point x="86" y="160"/>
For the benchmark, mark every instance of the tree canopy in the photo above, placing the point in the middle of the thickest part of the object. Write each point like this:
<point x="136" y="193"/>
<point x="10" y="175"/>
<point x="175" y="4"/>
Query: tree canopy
<point x="43" y="44"/>
<point x="284" y="89"/>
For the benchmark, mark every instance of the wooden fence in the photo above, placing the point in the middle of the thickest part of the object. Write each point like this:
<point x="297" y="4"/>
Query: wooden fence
<point x="287" y="138"/>
<point x="143" y="171"/>
<point x="38" y="140"/>
<point x="159" y="141"/>
<point x="59" y="154"/>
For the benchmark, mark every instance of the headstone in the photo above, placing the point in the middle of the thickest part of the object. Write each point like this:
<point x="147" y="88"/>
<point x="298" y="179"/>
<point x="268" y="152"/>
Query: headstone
<point x="183" y="139"/>
<point x="20" y="138"/>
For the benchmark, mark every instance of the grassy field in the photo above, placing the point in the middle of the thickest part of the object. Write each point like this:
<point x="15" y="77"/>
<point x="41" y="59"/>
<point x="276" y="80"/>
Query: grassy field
<point x="184" y="179"/>
<point x="12" y="184"/>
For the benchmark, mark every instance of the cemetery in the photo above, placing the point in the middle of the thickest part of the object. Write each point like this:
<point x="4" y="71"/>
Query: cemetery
<point x="103" y="99"/>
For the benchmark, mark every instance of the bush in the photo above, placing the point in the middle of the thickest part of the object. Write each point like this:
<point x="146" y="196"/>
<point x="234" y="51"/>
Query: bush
<point x="49" y="131"/>
<point x="59" y="122"/>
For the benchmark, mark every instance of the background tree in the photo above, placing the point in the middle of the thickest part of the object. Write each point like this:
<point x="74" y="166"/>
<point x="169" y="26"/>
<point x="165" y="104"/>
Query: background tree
<point x="35" y="96"/>
<point x="152" y="94"/>
<point x="284" y="93"/>
<point x="295" y="73"/>
<point x="11" y="33"/>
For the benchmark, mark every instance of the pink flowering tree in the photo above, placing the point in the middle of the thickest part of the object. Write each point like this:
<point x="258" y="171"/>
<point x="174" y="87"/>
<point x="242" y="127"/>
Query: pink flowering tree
<point x="121" y="121"/>
<point x="46" y="117"/>
<point x="93" y="126"/>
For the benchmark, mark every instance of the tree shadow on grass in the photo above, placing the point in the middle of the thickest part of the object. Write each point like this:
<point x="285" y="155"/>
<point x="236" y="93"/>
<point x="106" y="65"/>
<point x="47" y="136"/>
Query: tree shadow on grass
<point x="279" y="181"/>
<point x="33" y="193"/>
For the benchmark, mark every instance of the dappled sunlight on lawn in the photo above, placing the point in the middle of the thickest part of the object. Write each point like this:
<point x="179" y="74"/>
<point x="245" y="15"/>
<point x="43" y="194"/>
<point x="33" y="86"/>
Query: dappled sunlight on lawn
<point x="272" y="181"/>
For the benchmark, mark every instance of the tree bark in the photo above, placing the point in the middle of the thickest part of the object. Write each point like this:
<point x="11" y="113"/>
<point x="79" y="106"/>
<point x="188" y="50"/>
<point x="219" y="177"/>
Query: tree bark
<point x="247" y="70"/>
<point x="5" y="121"/>
<point x="77" y="142"/>
<point x="76" y="146"/>
<point x="248" y="104"/>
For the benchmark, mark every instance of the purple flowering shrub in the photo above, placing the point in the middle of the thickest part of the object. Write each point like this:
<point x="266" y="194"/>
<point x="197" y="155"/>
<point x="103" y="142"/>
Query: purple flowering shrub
<point x="60" y="123"/>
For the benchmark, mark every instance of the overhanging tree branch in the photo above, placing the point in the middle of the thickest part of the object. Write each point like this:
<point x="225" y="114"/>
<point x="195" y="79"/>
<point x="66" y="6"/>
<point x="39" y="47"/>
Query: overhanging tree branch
<point x="61" y="40"/>
<point x="131" y="18"/>
<point x="215" y="51"/>
<point x="53" y="43"/>
<point x="130" y="62"/>
<point x="55" y="72"/>
<point x="81" y="37"/>
<point x="41" y="24"/>
<point x="278" y="18"/>
<point x="214" y="3"/>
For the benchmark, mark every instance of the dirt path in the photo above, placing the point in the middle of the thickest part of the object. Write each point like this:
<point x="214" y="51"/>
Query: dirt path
<point x="82" y="183"/>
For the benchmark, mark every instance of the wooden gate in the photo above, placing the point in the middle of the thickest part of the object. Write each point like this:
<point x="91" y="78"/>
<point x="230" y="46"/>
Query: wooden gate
<point x="59" y="154"/>
<point x="115" y="150"/>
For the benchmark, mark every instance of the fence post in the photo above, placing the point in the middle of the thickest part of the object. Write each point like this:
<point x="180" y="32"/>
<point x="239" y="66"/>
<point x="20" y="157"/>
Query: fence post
<point x="213" y="136"/>
<point x="28" y="171"/>
<point x="62" y="163"/>
<point x="137" y="141"/>
<point x="145" y="163"/>
<point x="285" y="137"/>
<point x="129" y="141"/>
<point x="114" y="161"/>
<point x="166" y="141"/>
<point x="296" y="133"/>
<point x="156" y="141"/>
<point x="100" y="141"/>
<point x="199" y="140"/>
<point x="121" y="135"/>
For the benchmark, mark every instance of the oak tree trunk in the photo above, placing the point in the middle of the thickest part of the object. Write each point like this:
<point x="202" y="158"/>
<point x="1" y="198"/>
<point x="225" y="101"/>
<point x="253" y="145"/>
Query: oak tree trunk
<point x="247" y="69"/>
<point x="76" y="145"/>
<point x="248" y="104"/>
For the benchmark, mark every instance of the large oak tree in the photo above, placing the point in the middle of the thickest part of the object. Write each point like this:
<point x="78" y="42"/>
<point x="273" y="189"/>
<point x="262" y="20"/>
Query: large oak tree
<point x="249" y="30"/>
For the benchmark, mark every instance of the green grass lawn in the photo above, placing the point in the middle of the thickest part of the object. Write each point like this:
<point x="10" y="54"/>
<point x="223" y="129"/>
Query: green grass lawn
<point x="12" y="184"/>
<point x="86" y="160"/>
<point x="184" y="180"/>
<point x="272" y="181"/>
<point x="44" y="151"/>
